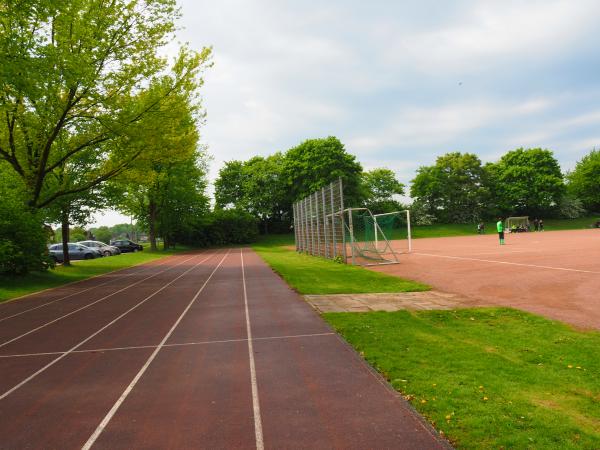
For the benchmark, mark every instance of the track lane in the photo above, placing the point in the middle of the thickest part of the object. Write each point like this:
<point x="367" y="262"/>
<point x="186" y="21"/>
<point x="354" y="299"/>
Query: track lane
<point x="36" y="300"/>
<point x="27" y="328"/>
<point x="77" y="340"/>
<point x="210" y="404"/>
<point x="64" y="405"/>
<point x="315" y="392"/>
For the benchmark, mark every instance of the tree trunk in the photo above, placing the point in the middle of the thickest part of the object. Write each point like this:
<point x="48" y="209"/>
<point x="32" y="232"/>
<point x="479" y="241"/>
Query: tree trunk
<point x="152" y="224"/>
<point x="65" y="237"/>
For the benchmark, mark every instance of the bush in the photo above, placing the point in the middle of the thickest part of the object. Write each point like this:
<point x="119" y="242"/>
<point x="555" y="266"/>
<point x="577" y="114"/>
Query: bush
<point x="222" y="227"/>
<point x="22" y="234"/>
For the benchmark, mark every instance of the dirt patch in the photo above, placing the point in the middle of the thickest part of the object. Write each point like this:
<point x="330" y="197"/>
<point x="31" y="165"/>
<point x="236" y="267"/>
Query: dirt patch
<point x="387" y="301"/>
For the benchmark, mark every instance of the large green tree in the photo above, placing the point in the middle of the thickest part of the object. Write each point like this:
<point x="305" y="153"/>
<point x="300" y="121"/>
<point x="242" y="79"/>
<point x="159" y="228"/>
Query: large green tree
<point x="77" y="78"/>
<point x="527" y="182"/>
<point x="379" y="187"/>
<point x="584" y="181"/>
<point x="455" y="189"/>
<point x="315" y="163"/>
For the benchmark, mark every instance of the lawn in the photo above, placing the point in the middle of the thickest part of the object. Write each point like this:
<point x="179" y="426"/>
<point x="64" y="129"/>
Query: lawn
<point x="487" y="378"/>
<point x="311" y="275"/>
<point x="11" y="287"/>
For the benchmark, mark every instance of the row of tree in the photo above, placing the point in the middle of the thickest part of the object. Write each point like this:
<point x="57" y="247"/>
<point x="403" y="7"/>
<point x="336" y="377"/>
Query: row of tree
<point x="458" y="188"/>
<point x="266" y="187"/>
<point x="94" y="116"/>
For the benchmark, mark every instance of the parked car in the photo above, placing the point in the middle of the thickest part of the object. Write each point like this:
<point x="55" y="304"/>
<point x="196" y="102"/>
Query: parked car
<point x="76" y="251"/>
<point x="125" y="245"/>
<point x="105" y="249"/>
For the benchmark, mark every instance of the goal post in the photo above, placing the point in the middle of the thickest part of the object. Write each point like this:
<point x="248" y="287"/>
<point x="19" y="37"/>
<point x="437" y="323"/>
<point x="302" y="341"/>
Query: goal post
<point x="361" y="229"/>
<point x="395" y="225"/>
<point x="520" y="223"/>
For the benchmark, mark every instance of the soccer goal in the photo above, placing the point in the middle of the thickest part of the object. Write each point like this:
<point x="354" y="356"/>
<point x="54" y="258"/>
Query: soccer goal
<point x="517" y="224"/>
<point x="367" y="241"/>
<point x="395" y="227"/>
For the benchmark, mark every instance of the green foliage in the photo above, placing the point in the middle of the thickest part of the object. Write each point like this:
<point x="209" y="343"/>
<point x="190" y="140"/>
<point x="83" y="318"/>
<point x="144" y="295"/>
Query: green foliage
<point x="229" y="226"/>
<point x="102" y="234"/>
<point x="488" y="378"/>
<point x="584" y="181"/>
<point x="570" y="207"/>
<point x="255" y="186"/>
<point x="22" y="234"/>
<point x="379" y="187"/>
<point x="527" y="182"/>
<point x="310" y="275"/>
<point x="78" y="78"/>
<point x="455" y="189"/>
<point x="315" y="163"/>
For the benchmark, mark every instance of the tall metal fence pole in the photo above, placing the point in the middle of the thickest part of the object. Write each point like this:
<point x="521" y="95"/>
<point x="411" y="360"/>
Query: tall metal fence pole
<point x="334" y="243"/>
<point x="345" y="253"/>
<point x="318" y="223"/>
<point x="325" y="225"/>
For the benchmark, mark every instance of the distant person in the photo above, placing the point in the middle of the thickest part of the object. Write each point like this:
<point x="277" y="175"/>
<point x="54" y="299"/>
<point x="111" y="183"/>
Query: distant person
<point x="541" y="225"/>
<point x="480" y="228"/>
<point x="500" y="228"/>
<point x="536" y="224"/>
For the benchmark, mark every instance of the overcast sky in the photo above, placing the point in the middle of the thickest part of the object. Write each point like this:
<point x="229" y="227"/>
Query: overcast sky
<point x="398" y="82"/>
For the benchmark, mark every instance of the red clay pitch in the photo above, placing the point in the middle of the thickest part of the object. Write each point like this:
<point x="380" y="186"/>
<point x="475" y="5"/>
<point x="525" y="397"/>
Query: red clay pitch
<point x="159" y="356"/>
<point x="555" y="274"/>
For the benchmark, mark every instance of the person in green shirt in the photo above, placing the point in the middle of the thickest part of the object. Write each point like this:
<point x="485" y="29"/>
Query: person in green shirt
<point x="500" y="228"/>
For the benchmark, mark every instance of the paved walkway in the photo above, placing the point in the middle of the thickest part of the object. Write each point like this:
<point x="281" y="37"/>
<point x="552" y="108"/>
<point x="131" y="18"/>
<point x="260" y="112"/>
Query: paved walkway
<point x="207" y="350"/>
<point x="387" y="302"/>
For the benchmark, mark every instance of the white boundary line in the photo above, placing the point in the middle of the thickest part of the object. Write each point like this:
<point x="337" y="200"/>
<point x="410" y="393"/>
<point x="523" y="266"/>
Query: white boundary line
<point x="72" y="349"/>
<point x="258" y="433"/>
<point x="84" y="290"/>
<point x="90" y="304"/>
<point x="508" y="263"/>
<point x="141" y="372"/>
<point x="31" y="294"/>
<point x="179" y="344"/>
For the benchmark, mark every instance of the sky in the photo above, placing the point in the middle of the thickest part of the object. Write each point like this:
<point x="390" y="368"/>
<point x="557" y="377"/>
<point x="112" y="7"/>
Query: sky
<point x="398" y="82"/>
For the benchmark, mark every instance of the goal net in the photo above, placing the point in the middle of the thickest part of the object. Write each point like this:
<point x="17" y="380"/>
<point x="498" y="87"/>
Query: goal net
<point x="366" y="239"/>
<point x="395" y="226"/>
<point x="517" y="224"/>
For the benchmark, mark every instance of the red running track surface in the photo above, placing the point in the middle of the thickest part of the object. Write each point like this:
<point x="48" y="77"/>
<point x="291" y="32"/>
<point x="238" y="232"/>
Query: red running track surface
<point x="159" y="356"/>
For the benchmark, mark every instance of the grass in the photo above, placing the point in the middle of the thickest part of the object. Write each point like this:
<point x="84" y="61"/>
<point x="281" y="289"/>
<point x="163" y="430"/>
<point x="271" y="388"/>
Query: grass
<point x="310" y="275"/>
<point x="12" y="287"/>
<point x="487" y="378"/>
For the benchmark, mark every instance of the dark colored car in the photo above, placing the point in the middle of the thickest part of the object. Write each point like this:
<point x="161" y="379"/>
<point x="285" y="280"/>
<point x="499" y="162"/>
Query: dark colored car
<point x="125" y="245"/>
<point x="76" y="251"/>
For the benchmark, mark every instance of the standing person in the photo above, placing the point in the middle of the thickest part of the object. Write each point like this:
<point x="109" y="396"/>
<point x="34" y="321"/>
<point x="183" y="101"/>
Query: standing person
<point x="480" y="228"/>
<point x="541" y="225"/>
<point x="536" y="224"/>
<point x="500" y="228"/>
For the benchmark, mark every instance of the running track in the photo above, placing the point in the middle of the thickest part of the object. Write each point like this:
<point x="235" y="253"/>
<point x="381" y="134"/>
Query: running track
<point x="205" y="350"/>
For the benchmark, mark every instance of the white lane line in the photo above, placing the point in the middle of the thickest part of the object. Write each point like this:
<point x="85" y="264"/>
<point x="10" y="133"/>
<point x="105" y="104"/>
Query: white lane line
<point x="139" y="375"/>
<point x="89" y="304"/>
<point x="258" y="433"/>
<point x="72" y="349"/>
<point x="149" y="266"/>
<point x="508" y="263"/>
<point x="179" y="344"/>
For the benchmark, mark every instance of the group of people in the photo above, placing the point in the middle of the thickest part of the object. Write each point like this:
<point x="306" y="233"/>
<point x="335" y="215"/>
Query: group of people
<point x="538" y="225"/>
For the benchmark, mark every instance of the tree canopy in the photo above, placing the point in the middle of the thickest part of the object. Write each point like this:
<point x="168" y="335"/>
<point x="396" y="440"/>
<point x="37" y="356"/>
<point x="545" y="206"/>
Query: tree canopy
<point x="584" y="181"/>
<point x="379" y="187"/>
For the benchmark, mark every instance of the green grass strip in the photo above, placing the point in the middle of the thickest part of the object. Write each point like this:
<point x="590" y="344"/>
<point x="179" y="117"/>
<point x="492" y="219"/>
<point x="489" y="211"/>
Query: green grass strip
<point x="12" y="287"/>
<point x="311" y="275"/>
<point x="487" y="378"/>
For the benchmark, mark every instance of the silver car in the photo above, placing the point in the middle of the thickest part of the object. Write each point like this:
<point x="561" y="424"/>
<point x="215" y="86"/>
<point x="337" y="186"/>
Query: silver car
<point x="76" y="251"/>
<point x="105" y="249"/>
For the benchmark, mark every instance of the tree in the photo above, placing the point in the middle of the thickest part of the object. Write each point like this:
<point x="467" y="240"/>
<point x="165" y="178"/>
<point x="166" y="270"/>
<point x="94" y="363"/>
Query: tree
<point x="584" y="181"/>
<point x="255" y="186"/>
<point x="317" y="162"/>
<point x="379" y="187"/>
<point x="455" y="189"/>
<point x="527" y="182"/>
<point x="77" y="79"/>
